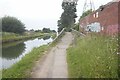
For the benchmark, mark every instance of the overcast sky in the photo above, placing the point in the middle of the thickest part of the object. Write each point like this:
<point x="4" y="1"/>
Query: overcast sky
<point x="36" y="14"/>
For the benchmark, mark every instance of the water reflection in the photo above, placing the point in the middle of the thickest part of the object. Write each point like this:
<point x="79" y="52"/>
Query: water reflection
<point x="14" y="53"/>
<point x="46" y="37"/>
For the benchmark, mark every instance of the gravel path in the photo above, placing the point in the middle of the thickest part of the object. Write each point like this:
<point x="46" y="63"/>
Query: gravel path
<point x="54" y="64"/>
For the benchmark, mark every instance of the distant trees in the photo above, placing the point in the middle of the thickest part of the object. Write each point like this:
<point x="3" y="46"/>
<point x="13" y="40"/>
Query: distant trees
<point x="44" y="30"/>
<point x="38" y="30"/>
<point x="12" y="24"/>
<point x="53" y="31"/>
<point x="67" y="18"/>
<point x="86" y="13"/>
<point x="47" y="30"/>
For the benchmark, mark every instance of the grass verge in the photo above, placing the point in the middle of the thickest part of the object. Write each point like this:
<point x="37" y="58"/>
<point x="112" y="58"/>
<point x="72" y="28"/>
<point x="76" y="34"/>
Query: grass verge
<point x="11" y="37"/>
<point x="23" y="67"/>
<point x="93" y="57"/>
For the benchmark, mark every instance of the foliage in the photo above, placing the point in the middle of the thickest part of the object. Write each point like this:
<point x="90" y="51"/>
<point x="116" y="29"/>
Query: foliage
<point x="53" y="31"/>
<point x="32" y="30"/>
<point x="23" y="68"/>
<point x="12" y="24"/>
<point x="93" y="57"/>
<point x="86" y="13"/>
<point x="119" y="54"/>
<point x="53" y="35"/>
<point x="47" y="30"/>
<point x="76" y="27"/>
<point x="67" y="18"/>
<point x="38" y="30"/>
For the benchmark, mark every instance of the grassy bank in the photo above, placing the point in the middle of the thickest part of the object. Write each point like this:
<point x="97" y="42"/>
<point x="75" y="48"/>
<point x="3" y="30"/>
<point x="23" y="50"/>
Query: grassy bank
<point x="10" y="37"/>
<point x="23" y="68"/>
<point x="93" y="57"/>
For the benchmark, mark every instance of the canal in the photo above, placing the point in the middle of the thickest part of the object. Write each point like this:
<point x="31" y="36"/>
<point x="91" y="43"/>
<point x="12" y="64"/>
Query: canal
<point x="14" y="52"/>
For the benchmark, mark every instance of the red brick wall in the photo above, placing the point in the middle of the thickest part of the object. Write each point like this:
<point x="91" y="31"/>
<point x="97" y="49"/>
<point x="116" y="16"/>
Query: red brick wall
<point x="119" y="17"/>
<point x="108" y="18"/>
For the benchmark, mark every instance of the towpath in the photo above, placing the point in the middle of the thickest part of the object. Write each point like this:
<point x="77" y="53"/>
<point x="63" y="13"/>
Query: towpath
<point x="54" y="63"/>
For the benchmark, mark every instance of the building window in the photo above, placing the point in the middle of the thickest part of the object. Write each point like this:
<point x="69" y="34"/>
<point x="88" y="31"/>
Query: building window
<point x="97" y="14"/>
<point x="102" y="28"/>
<point x="94" y="15"/>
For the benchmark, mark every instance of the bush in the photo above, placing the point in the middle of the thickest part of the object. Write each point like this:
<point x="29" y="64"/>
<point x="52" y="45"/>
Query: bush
<point x="12" y="24"/>
<point x="76" y="27"/>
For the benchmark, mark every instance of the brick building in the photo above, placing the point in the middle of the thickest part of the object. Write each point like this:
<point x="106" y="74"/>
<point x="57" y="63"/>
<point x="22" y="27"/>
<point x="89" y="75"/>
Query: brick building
<point x="104" y="20"/>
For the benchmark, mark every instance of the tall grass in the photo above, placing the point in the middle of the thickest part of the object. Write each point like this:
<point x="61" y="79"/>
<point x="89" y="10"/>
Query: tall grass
<point x="93" y="56"/>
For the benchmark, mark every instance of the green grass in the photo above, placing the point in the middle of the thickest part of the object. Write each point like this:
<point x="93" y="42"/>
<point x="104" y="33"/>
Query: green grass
<point x="93" y="57"/>
<point x="53" y="35"/>
<point x="23" y="67"/>
<point x="7" y="37"/>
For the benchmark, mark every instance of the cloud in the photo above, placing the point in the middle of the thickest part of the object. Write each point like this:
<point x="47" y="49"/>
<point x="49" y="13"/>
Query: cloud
<point x="38" y="13"/>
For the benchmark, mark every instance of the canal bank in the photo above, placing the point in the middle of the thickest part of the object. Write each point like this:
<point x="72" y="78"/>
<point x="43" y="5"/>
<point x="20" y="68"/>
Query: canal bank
<point x="14" y="52"/>
<point x="12" y="37"/>
<point x="26" y="60"/>
<point x="22" y="69"/>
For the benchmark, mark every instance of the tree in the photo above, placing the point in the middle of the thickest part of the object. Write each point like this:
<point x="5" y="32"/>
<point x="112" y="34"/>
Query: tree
<point x="38" y="30"/>
<point x="86" y="13"/>
<point x="67" y="18"/>
<point x="12" y="24"/>
<point x="46" y="30"/>
<point x="53" y="31"/>
<point x="32" y="30"/>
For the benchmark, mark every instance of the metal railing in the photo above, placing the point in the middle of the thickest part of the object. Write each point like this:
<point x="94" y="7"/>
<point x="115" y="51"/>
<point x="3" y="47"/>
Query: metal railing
<point x="78" y="33"/>
<point x="58" y="36"/>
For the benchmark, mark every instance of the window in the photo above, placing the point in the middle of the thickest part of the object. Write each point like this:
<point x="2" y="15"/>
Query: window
<point x="97" y="14"/>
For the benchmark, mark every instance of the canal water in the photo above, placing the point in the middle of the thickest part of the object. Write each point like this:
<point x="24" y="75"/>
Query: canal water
<point x="13" y="52"/>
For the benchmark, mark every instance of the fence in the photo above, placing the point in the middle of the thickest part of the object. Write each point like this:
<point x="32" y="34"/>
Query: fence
<point x="58" y="36"/>
<point x="78" y="33"/>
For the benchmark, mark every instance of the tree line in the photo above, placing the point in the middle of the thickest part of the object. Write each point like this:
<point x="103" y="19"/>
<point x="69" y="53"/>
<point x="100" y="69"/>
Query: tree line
<point x="44" y="30"/>
<point x="14" y="25"/>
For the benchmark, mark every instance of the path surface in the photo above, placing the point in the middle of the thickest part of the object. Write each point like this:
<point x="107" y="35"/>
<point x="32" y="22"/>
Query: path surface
<point x="54" y="63"/>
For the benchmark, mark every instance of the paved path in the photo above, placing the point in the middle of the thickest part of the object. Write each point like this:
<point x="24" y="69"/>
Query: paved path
<point x="54" y="64"/>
